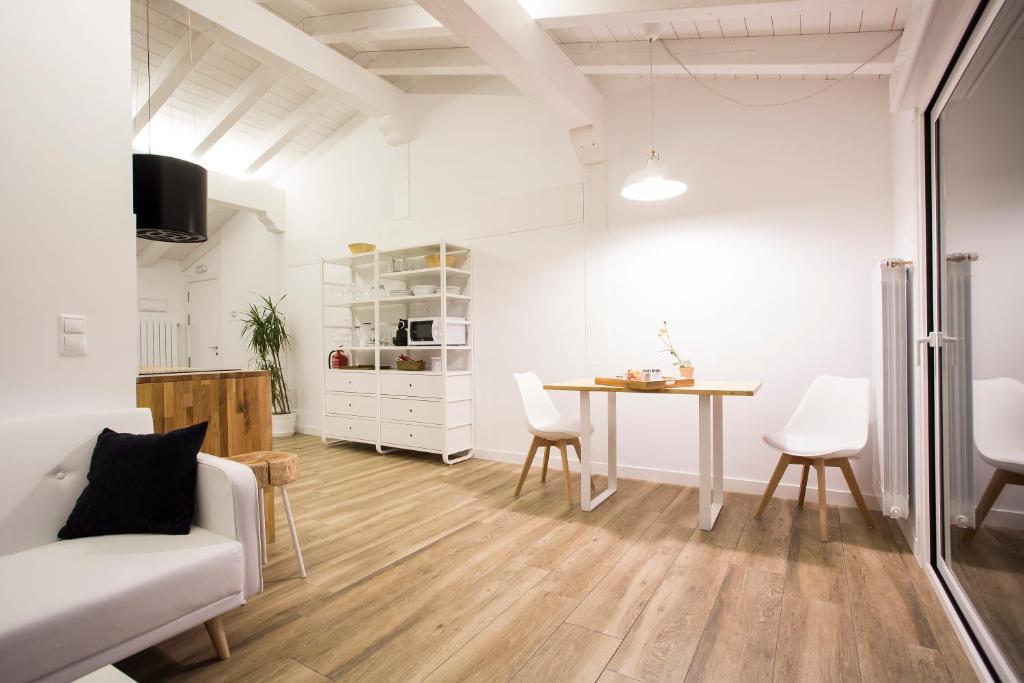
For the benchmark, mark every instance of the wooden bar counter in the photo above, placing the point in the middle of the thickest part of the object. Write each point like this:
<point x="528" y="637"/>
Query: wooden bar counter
<point x="235" y="402"/>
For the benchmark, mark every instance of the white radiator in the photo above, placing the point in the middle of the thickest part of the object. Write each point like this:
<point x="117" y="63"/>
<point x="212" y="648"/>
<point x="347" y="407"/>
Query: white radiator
<point x="894" y="414"/>
<point x="158" y="343"/>
<point x="959" y="405"/>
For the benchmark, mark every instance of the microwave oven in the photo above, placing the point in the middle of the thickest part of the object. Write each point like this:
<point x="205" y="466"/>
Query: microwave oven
<point x="427" y="331"/>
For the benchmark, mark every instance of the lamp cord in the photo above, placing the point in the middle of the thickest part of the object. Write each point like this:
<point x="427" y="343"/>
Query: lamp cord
<point x="650" y="49"/>
<point x="192" y="77"/>
<point x="772" y="104"/>
<point x="149" y="88"/>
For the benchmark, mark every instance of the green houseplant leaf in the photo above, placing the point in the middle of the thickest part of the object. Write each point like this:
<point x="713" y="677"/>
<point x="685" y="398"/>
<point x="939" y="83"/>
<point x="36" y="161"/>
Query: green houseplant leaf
<point x="263" y="329"/>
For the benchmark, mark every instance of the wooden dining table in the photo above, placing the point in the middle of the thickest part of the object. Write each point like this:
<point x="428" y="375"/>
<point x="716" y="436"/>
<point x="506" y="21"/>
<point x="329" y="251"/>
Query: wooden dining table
<point x="709" y="395"/>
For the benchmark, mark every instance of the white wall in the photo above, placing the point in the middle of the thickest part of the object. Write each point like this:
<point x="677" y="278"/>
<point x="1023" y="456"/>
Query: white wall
<point x="247" y="262"/>
<point x="65" y="205"/>
<point x="763" y="268"/>
<point x="164" y="281"/>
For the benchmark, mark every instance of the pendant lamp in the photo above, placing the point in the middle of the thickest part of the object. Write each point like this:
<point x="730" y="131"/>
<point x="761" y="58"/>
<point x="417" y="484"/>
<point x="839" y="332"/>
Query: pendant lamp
<point x="169" y="194"/>
<point x="169" y="199"/>
<point x="654" y="181"/>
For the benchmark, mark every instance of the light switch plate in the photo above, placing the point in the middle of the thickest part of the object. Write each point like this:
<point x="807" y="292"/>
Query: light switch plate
<point x="72" y="344"/>
<point x="71" y="335"/>
<point x="73" y="324"/>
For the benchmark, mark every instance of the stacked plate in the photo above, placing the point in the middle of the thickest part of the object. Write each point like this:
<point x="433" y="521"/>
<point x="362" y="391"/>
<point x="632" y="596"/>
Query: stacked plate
<point x="399" y="292"/>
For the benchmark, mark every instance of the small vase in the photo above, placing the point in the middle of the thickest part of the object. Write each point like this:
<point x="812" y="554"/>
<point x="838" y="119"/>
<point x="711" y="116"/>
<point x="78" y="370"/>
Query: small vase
<point x="685" y="372"/>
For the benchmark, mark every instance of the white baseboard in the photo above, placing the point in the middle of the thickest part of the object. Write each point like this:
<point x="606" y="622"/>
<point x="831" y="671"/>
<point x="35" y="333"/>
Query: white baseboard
<point x="309" y="430"/>
<point x="835" y="497"/>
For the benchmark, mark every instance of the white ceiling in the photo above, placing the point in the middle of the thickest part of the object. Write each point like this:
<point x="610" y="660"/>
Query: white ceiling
<point x="274" y="109"/>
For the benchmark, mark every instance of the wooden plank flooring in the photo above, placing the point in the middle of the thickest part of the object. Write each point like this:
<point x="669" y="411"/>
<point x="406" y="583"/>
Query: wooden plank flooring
<point x="419" y="571"/>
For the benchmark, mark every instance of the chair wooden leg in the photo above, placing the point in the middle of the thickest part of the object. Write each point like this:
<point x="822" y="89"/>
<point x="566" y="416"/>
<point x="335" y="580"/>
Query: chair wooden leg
<point x="851" y="481"/>
<point x="575" y="443"/>
<point x="819" y="467"/>
<point x="988" y="499"/>
<point x="219" y="639"/>
<point x="526" y="465"/>
<point x="773" y="484"/>
<point x="544" y="470"/>
<point x="565" y="471"/>
<point x="295" y="534"/>
<point x="803" y="484"/>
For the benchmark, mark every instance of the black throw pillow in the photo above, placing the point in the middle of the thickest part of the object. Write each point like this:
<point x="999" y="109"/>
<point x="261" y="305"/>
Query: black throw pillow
<point x="139" y="484"/>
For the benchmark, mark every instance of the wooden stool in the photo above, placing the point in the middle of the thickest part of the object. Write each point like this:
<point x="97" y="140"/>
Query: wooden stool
<point x="275" y="469"/>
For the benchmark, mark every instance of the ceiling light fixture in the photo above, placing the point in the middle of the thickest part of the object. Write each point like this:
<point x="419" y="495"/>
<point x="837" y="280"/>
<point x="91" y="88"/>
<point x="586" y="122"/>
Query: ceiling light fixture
<point x="654" y="181"/>
<point x="169" y="194"/>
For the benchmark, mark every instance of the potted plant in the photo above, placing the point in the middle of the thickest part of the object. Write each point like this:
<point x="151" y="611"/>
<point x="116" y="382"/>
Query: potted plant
<point x="685" y="367"/>
<point x="263" y="329"/>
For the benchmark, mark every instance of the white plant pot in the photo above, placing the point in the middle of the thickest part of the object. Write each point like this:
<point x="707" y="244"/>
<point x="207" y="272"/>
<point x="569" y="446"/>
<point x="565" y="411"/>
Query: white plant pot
<point x="282" y="424"/>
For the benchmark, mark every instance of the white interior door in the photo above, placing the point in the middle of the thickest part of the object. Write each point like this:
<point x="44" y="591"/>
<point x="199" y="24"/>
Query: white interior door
<point x="203" y="300"/>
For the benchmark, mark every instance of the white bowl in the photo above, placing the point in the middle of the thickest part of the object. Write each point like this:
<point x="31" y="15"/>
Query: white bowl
<point x="424" y="290"/>
<point x="453" y="289"/>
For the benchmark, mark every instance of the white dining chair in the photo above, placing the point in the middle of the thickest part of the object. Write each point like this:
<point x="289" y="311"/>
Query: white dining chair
<point x="829" y="426"/>
<point x="548" y="427"/>
<point x="998" y="437"/>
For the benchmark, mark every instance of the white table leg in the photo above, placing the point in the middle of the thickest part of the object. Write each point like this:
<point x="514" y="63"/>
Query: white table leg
<point x="588" y="503"/>
<point x="708" y="508"/>
<point x="585" y="455"/>
<point x="718" y="476"/>
<point x="613" y="438"/>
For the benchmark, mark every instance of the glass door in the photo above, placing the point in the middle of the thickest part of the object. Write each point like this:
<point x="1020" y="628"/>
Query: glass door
<point x="976" y="160"/>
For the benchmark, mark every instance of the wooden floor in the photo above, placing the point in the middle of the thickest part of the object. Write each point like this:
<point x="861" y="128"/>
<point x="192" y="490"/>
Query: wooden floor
<point x="990" y="567"/>
<point x="420" y="571"/>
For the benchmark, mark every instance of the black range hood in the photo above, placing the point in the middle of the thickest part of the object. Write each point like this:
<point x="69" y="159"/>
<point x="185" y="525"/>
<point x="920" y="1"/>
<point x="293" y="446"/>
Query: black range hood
<point x="169" y="199"/>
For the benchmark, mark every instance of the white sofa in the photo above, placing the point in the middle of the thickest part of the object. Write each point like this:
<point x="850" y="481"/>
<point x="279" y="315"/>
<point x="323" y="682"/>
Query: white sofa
<point x="70" y="607"/>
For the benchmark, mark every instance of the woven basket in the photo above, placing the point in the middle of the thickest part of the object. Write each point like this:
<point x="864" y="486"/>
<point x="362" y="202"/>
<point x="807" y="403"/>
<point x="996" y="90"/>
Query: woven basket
<point x="361" y="248"/>
<point x="434" y="260"/>
<point x="411" y="364"/>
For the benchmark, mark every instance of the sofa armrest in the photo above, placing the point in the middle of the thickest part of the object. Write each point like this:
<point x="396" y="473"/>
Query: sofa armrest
<point x="227" y="503"/>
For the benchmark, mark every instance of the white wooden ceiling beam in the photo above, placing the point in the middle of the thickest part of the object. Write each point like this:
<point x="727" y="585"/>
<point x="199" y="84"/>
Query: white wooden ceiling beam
<point x="171" y="73"/>
<point x="286" y="131"/>
<point x="255" y="31"/>
<point x="764" y="56"/>
<point x="153" y="252"/>
<point x="266" y="202"/>
<point x="415" y="22"/>
<point x="505" y="36"/>
<point x="392" y="23"/>
<point x="234" y="108"/>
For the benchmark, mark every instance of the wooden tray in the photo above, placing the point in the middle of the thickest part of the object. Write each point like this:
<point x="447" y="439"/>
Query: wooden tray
<point x="641" y="385"/>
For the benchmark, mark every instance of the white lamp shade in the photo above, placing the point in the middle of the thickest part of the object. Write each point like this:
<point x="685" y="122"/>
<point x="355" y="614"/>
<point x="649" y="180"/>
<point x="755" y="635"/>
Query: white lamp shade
<point x="653" y="182"/>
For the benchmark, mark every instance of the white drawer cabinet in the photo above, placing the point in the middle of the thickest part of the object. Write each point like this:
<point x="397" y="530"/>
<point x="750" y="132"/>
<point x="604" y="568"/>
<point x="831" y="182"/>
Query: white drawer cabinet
<point x="353" y="381"/>
<point x="359" y="405"/>
<point x="411" y="384"/>
<point x="417" y="436"/>
<point x="412" y="410"/>
<point x="373" y="402"/>
<point x="359" y="429"/>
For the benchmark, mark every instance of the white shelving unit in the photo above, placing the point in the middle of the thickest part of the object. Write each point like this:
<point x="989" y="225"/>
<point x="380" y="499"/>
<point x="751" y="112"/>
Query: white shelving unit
<point x="374" y="403"/>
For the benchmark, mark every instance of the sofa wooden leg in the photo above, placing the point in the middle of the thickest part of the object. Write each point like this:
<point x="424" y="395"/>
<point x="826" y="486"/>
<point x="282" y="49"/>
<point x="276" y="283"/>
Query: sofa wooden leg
<point x="215" y="627"/>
